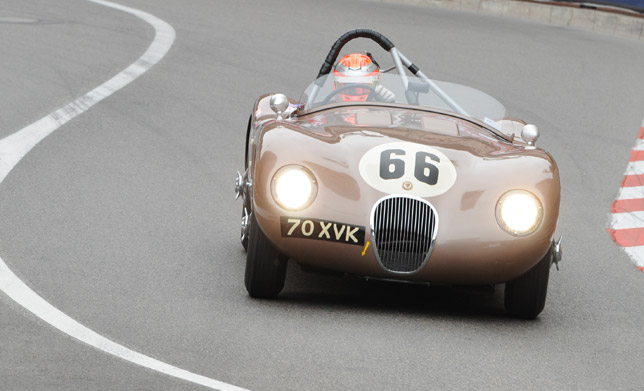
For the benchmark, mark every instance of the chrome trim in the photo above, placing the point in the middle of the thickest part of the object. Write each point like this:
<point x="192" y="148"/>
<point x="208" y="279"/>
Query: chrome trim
<point x="557" y="252"/>
<point x="530" y="134"/>
<point x="242" y="185"/>
<point x="279" y="103"/>
<point x="245" y="227"/>
<point x="239" y="182"/>
<point x="407" y="215"/>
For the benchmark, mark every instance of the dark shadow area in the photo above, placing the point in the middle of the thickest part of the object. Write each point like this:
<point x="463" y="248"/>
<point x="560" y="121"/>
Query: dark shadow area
<point x="337" y="293"/>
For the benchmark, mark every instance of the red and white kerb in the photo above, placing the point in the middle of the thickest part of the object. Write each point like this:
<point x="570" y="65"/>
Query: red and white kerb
<point x="627" y="211"/>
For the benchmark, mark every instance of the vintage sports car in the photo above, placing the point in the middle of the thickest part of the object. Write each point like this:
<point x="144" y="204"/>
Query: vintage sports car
<point x="395" y="176"/>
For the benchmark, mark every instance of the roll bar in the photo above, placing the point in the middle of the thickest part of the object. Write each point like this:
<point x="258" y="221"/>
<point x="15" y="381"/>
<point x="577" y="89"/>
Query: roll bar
<point x="375" y="36"/>
<point x="400" y="62"/>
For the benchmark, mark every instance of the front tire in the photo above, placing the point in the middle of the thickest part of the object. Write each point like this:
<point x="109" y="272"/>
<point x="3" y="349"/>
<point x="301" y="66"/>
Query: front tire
<point x="265" y="266"/>
<point x="525" y="296"/>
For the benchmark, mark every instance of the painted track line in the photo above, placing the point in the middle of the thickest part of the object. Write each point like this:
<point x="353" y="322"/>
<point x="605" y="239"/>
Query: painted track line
<point x="626" y="225"/>
<point x="14" y="147"/>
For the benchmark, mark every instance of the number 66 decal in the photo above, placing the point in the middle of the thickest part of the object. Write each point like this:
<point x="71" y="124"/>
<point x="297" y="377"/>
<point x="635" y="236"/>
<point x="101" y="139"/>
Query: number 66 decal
<point x="424" y="170"/>
<point x="407" y="168"/>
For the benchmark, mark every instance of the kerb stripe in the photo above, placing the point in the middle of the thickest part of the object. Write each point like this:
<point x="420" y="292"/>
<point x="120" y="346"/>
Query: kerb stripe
<point x="625" y="206"/>
<point x="626" y="225"/>
<point x="628" y="237"/>
<point x="633" y="180"/>
<point x="636" y="156"/>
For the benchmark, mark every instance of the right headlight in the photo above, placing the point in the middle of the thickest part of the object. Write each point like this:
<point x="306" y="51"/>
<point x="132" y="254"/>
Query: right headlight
<point x="293" y="187"/>
<point x="519" y="212"/>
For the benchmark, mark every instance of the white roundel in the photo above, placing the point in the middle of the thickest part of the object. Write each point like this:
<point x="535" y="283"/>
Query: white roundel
<point x="407" y="168"/>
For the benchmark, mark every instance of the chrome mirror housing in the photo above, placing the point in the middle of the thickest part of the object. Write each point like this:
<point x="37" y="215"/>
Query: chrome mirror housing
<point x="279" y="104"/>
<point x="530" y="134"/>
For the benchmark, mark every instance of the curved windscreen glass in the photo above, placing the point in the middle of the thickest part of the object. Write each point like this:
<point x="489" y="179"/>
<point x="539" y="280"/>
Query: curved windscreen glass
<point x="440" y="95"/>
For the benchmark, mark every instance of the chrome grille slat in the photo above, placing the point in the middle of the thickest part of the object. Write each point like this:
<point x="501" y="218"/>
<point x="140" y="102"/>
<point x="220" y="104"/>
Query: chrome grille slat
<point x="403" y="230"/>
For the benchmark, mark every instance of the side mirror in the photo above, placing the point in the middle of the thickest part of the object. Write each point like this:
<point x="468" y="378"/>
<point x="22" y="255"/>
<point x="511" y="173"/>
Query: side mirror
<point x="530" y="134"/>
<point x="279" y="103"/>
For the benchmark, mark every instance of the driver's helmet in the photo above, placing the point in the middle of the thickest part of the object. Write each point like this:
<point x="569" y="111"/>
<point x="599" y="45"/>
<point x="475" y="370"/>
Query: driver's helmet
<point x="355" y="69"/>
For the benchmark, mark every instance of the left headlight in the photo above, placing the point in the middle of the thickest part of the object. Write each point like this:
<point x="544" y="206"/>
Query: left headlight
<point x="519" y="212"/>
<point x="293" y="187"/>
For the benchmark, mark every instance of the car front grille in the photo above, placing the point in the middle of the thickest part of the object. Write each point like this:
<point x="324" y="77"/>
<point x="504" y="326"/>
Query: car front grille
<point x="403" y="232"/>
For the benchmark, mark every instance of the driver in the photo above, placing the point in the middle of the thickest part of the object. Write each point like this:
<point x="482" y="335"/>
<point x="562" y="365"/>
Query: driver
<point x="359" y="70"/>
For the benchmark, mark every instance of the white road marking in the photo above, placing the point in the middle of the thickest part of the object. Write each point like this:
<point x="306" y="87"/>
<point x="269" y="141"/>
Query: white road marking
<point x="14" y="147"/>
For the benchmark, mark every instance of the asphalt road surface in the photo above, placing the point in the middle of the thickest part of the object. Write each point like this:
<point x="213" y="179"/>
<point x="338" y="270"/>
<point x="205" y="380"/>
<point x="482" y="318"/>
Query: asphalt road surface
<point x="125" y="219"/>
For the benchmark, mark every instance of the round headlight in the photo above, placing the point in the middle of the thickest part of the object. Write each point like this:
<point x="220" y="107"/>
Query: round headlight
<point x="519" y="212"/>
<point x="293" y="187"/>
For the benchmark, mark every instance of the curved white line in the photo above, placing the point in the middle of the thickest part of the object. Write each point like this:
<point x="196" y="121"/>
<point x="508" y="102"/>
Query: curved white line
<point x="14" y="147"/>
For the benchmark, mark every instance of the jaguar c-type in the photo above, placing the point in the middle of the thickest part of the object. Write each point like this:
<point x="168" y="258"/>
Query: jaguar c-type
<point x="388" y="174"/>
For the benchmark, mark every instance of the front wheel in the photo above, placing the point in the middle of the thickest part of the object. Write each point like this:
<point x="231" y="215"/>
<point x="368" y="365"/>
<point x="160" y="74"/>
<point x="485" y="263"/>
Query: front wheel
<point x="265" y="266"/>
<point x="525" y="296"/>
<point x="245" y="220"/>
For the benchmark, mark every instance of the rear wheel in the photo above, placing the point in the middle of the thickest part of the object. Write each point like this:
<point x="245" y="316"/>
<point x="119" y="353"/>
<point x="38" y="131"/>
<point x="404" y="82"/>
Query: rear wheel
<point x="525" y="296"/>
<point x="265" y="266"/>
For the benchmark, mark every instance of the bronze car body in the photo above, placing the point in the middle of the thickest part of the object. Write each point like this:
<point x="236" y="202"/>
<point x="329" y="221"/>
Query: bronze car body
<point x="415" y="159"/>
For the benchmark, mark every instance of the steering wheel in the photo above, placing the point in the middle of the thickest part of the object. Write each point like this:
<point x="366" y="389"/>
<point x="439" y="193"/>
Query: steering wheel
<point x="372" y="92"/>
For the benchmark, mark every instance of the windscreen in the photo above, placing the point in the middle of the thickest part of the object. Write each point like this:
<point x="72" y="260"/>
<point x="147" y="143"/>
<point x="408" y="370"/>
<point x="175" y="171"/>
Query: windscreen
<point x="439" y="95"/>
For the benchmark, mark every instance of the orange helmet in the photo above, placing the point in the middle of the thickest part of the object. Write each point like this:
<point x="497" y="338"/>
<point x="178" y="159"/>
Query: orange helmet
<point x="355" y="69"/>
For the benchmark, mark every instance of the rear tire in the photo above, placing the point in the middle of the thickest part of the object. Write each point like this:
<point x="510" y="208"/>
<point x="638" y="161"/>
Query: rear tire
<point x="265" y="266"/>
<point x="525" y="296"/>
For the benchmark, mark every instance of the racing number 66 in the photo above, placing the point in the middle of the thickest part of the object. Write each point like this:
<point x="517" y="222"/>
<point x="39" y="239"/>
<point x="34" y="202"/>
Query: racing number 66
<point x="424" y="170"/>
